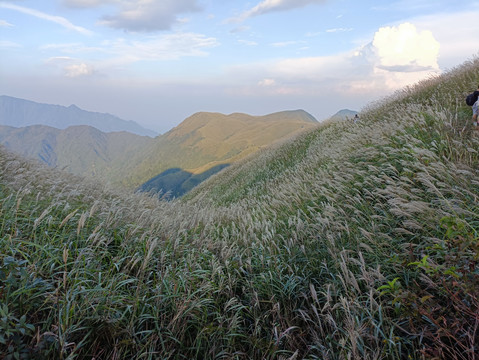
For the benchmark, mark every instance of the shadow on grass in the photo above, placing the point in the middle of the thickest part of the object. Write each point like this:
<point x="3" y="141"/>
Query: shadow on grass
<point x="176" y="182"/>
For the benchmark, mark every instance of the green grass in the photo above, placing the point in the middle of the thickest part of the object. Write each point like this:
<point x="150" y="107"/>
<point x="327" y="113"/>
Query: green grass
<point x="344" y="242"/>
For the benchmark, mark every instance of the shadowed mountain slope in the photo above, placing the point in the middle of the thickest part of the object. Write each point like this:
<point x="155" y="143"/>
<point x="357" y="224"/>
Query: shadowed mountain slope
<point x="174" y="183"/>
<point x="81" y="150"/>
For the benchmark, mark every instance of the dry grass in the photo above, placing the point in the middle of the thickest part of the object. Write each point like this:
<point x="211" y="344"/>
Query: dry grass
<point x="326" y="246"/>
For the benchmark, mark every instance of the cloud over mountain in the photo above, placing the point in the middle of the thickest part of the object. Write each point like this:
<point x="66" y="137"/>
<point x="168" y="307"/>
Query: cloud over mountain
<point x="403" y="48"/>
<point x="396" y="56"/>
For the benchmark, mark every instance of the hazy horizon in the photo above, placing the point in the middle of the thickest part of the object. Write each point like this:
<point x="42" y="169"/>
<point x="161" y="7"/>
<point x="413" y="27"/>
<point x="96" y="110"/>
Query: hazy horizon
<point x="157" y="63"/>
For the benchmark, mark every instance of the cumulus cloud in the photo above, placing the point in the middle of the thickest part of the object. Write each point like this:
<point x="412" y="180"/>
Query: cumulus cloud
<point x="451" y="31"/>
<point x="41" y="15"/>
<point x="71" y="67"/>
<point x="396" y="57"/>
<point x="404" y="49"/>
<point x="267" y="6"/>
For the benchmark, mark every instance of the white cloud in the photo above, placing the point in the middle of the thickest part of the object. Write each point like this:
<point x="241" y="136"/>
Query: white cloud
<point x="87" y="3"/>
<point x="141" y="15"/>
<point x="339" y="30"/>
<point x="114" y="57"/>
<point x="4" y="23"/>
<point x="267" y="6"/>
<point x="41" y="15"/>
<point x="71" y="67"/>
<point x="396" y="57"/>
<point x="404" y="49"/>
<point x="57" y="59"/>
<point x="165" y="47"/>
<point x="453" y="31"/>
<point x="147" y="15"/>
<point x="267" y="82"/>
<point x="311" y="69"/>
<point x="77" y="70"/>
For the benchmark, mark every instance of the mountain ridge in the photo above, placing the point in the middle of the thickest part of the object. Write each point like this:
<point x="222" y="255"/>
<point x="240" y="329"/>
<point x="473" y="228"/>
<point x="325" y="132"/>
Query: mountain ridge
<point x="207" y="139"/>
<point x="19" y="112"/>
<point x="201" y="142"/>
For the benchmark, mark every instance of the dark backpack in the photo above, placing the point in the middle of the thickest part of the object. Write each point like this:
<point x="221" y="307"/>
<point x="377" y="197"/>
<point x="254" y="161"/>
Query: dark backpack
<point x="471" y="99"/>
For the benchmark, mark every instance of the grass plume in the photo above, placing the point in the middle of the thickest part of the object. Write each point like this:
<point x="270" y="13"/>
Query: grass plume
<point x="344" y="242"/>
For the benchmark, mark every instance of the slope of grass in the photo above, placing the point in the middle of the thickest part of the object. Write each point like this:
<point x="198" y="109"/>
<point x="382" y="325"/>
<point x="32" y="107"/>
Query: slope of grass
<point x="355" y="242"/>
<point x="205" y="140"/>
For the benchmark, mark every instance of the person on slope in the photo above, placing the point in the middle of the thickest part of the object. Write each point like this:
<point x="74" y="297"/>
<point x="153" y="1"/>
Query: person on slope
<point x="475" y="109"/>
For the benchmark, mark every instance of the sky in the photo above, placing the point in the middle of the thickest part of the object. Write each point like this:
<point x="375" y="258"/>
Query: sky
<point x="158" y="62"/>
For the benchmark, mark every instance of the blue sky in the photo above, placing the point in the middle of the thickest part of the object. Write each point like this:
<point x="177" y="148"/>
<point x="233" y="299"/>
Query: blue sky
<point x="159" y="61"/>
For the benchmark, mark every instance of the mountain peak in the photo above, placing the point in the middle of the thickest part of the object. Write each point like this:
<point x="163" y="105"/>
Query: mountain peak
<point x="344" y="114"/>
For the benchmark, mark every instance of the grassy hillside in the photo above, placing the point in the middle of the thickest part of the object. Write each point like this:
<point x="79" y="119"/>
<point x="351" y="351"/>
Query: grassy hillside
<point x="356" y="242"/>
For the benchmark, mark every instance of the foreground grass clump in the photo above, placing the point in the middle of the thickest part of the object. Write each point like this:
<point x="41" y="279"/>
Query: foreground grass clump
<point x="345" y="242"/>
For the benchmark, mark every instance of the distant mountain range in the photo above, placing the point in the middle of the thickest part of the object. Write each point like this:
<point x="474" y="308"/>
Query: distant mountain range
<point x="200" y="146"/>
<point x="20" y="113"/>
